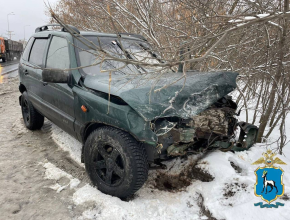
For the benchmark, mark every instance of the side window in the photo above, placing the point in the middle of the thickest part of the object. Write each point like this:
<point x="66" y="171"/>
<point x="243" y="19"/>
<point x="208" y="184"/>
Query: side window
<point x="58" y="54"/>
<point x="27" y="48"/>
<point x="37" y="52"/>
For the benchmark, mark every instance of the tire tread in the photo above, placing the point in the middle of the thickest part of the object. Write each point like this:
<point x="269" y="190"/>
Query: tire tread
<point x="36" y="119"/>
<point x="138" y="152"/>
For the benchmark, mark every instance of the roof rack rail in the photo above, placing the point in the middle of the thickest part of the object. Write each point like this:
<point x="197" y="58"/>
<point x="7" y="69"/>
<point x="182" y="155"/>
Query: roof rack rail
<point x="45" y="28"/>
<point x="133" y="35"/>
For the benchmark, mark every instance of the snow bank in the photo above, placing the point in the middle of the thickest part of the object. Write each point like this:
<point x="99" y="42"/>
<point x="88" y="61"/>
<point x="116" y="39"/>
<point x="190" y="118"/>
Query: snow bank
<point x="54" y="173"/>
<point x="229" y="196"/>
<point x="67" y="143"/>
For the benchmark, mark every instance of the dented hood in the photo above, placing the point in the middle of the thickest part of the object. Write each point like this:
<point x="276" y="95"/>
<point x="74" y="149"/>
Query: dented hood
<point x="184" y="98"/>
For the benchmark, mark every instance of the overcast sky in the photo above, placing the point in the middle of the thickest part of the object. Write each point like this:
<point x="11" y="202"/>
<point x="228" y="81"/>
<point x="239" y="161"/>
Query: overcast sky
<point x="27" y="12"/>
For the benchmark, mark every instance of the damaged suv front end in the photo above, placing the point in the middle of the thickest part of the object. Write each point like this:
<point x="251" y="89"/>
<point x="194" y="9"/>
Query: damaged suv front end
<point x="211" y="122"/>
<point x="186" y="117"/>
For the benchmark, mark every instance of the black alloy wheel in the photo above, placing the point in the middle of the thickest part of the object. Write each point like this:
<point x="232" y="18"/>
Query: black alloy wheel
<point x="115" y="161"/>
<point x="109" y="164"/>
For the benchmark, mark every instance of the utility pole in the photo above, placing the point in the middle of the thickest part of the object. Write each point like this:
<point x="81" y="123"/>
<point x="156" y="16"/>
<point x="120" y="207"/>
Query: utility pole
<point x="24" y="32"/>
<point x="9" y="32"/>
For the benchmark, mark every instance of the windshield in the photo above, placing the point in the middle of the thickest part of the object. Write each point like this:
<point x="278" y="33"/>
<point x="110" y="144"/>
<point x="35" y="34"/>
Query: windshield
<point x="119" y="48"/>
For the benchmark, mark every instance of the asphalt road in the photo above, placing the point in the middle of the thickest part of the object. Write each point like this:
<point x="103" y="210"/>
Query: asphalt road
<point x="24" y="193"/>
<point x="6" y="70"/>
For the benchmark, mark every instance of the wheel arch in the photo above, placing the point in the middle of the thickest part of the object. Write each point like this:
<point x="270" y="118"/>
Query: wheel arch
<point x="86" y="131"/>
<point x="22" y="88"/>
<point x="90" y="127"/>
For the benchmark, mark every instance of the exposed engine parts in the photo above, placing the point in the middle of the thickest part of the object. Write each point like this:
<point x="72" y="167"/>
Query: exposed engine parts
<point x="212" y="128"/>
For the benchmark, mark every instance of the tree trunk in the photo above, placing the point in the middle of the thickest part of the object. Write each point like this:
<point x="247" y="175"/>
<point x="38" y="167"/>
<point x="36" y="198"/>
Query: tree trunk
<point x="265" y="117"/>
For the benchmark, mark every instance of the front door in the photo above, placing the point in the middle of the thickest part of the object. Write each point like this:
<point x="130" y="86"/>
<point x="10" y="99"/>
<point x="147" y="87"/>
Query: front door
<point x="59" y="96"/>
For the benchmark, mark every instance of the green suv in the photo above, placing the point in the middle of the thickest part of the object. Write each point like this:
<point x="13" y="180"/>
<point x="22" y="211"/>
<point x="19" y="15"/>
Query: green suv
<point x="126" y="118"/>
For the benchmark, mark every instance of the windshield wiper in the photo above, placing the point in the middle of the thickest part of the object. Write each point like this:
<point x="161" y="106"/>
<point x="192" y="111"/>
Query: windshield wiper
<point x="128" y="55"/>
<point x="154" y="55"/>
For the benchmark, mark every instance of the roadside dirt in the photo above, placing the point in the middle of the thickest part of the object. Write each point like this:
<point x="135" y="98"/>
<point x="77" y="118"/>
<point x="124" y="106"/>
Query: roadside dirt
<point x="24" y="193"/>
<point x="178" y="182"/>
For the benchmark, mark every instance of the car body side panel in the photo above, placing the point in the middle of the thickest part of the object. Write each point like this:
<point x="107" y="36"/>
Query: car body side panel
<point x="30" y="75"/>
<point x="33" y="83"/>
<point x="60" y="105"/>
<point x="53" y="114"/>
<point x="104" y="112"/>
<point x="59" y="99"/>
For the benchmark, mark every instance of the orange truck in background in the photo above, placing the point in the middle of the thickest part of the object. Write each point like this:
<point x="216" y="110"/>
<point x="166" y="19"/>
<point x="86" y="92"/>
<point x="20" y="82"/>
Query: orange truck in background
<point x="10" y="49"/>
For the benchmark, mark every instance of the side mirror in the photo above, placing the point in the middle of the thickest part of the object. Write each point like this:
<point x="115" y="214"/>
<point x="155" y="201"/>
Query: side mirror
<point x="54" y="76"/>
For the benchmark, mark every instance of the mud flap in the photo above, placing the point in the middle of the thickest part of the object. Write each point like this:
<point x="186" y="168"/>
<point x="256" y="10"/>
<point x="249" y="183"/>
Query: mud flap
<point x="20" y="97"/>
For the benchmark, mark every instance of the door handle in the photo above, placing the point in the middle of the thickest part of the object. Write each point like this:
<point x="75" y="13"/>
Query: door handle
<point x="44" y="83"/>
<point x="25" y="72"/>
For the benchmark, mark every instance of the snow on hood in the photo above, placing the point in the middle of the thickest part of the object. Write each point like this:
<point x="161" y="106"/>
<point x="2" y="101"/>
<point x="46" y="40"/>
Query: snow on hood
<point x="184" y="98"/>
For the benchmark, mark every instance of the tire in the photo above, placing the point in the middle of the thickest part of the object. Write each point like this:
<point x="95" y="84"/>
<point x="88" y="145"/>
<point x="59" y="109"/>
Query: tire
<point x="115" y="162"/>
<point x="3" y="60"/>
<point x="32" y="119"/>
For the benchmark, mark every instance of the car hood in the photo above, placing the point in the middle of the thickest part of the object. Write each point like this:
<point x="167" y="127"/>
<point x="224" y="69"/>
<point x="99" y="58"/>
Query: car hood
<point x="182" y="98"/>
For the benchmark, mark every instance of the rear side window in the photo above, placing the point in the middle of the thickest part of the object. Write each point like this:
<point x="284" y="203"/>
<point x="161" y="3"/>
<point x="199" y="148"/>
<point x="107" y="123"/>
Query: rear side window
<point x="58" y="54"/>
<point x="27" y="49"/>
<point x="37" y="51"/>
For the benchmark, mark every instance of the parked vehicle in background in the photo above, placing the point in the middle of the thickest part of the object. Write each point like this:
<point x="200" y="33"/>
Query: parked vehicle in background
<point x="136" y="131"/>
<point x="10" y="49"/>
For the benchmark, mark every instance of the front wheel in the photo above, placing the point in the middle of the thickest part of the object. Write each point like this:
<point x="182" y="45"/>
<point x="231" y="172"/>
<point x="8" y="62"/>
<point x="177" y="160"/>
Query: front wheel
<point x="115" y="162"/>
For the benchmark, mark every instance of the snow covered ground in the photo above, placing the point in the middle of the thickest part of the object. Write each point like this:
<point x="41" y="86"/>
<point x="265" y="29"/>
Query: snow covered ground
<point x="230" y="195"/>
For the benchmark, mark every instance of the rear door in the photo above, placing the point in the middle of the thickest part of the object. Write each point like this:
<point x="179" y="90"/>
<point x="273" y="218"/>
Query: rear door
<point x="23" y="64"/>
<point x="32" y="73"/>
<point x="59" y="96"/>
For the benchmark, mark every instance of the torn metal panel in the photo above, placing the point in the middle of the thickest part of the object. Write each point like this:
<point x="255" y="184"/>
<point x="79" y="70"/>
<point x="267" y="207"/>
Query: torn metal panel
<point x="177" y="150"/>
<point x="248" y="135"/>
<point x="184" y="135"/>
<point x="163" y="126"/>
<point x="247" y="138"/>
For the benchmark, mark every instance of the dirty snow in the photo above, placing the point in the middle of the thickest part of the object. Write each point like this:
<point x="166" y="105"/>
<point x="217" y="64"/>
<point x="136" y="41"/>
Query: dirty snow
<point x="150" y="203"/>
<point x="54" y="173"/>
<point x="67" y="143"/>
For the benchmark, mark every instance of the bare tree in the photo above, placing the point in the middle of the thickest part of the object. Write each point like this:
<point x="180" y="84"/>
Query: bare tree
<point x="249" y="37"/>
